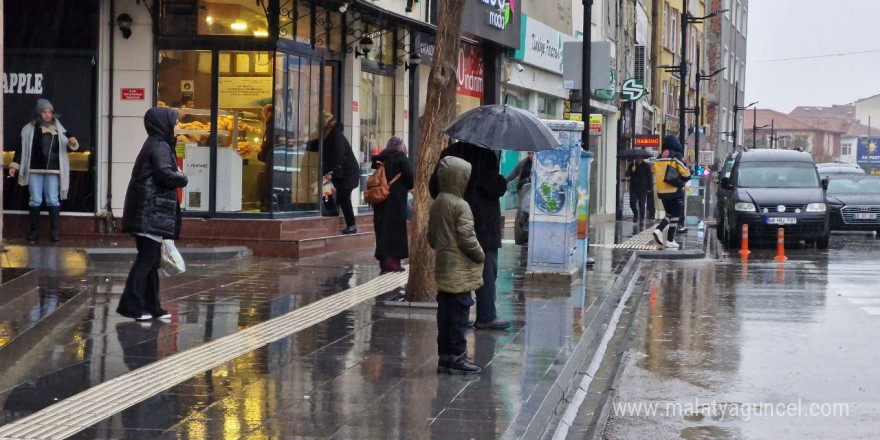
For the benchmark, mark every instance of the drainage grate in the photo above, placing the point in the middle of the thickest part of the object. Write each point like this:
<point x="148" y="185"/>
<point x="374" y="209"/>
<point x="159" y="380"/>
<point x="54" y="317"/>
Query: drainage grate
<point x="83" y="410"/>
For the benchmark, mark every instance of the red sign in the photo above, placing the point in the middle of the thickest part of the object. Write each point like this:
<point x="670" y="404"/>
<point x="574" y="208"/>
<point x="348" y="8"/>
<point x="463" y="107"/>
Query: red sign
<point x="132" y="94"/>
<point x="406" y="114"/>
<point x="470" y="71"/>
<point x="354" y="106"/>
<point x="647" y="141"/>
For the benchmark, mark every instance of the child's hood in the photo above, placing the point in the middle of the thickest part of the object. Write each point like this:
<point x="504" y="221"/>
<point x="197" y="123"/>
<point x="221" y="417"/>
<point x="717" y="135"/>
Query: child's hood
<point x="453" y="174"/>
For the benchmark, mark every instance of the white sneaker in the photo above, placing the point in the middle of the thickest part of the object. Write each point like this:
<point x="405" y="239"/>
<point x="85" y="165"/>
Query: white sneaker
<point x="145" y="317"/>
<point x="671" y="245"/>
<point x="165" y="316"/>
<point x="658" y="237"/>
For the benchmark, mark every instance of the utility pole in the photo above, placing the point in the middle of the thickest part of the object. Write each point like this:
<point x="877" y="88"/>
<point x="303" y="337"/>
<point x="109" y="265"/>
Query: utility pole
<point x="683" y="73"/>
<point x="586" y="92"/>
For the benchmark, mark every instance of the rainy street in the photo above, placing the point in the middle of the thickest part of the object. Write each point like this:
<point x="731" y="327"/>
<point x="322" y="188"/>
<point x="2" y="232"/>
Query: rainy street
<point x="756" y="349"/>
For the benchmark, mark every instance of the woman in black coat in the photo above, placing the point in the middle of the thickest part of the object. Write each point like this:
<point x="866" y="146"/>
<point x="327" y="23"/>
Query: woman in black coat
<point x="339" y="166"/>
<point x="389" y="217"/>
<point x="151" y="213"/>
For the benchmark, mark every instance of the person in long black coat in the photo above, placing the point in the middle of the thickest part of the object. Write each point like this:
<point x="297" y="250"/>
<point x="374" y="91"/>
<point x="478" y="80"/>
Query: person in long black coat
<point x="151" y="213"/>
<point x="484" y="190"/>
<point x="389" y="217"/>
<point x="339" y="166"/>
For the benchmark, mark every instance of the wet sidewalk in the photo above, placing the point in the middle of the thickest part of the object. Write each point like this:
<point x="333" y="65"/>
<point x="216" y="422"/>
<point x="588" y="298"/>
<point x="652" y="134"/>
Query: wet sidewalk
<point x="366" y="371"/>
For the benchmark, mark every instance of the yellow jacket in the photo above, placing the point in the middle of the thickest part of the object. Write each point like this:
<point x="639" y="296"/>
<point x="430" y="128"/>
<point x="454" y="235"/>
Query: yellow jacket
<point x="660" y="166"/>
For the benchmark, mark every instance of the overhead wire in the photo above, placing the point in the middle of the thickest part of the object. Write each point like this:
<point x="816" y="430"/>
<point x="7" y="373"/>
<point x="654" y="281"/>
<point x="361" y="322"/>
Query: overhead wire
<point x="814" y="56"/>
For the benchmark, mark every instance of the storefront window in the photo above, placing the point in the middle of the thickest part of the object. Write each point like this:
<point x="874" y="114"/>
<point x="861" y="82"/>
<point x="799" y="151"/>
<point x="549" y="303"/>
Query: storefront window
<point x="213" y="17"/>
<point x="469" y="93"/>
<point x="547" y="107"/>
<point x="184" y="83"/>
<point x="244" y="87"/>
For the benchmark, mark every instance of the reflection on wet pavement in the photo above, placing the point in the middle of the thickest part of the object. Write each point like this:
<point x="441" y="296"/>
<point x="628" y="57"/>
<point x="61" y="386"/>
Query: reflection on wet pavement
<point x="737" y="349"/>
<point x="368" y="372"/>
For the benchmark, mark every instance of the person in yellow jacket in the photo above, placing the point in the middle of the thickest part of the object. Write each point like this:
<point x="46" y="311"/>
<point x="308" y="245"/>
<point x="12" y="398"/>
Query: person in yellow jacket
<point x="670" y="194"/>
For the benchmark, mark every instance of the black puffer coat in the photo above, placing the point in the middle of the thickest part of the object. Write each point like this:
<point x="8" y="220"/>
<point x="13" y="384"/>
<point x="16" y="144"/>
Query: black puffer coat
<point x="484" y="190"/>
<point x="151" y="205"/>
<point x="339" y="159"/>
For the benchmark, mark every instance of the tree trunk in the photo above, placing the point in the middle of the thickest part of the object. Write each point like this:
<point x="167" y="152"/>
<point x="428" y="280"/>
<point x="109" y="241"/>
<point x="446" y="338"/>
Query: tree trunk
<point x="439" y="108"/>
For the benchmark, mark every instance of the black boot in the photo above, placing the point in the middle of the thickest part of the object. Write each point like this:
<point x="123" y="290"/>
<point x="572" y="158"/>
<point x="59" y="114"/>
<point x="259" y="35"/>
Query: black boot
<point x="34" y="233"/>
<point x="461" y="365"/>
<point x="53" y="222"/>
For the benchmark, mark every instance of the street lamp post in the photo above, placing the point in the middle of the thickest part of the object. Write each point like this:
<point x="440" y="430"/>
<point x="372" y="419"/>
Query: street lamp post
<point x="586" y="92"/>
<point x="736" y="109"/>
<point x="687" y="19"/>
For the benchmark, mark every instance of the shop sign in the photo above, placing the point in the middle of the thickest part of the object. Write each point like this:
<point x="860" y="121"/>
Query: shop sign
<point x="136" y="94"/>
<point x="23" y="83"/>
<point x="244" y="91"/>
<point x="595" y="125"/>
<point x="649" y="140"/>
<point x="541" y="45"/>
<point x="494" y="20"/>
<point x="470" y="71"/>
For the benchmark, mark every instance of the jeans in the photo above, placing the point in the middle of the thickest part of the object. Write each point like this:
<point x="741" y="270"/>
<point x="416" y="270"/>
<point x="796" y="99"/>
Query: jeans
<point x="452" y="322"/>
<point x="637" y="201"/>
<point x="486" y="293"/>
<point x="141" y="292"/>
<point x="44" y="187"/>
<point x="343" y="199"/>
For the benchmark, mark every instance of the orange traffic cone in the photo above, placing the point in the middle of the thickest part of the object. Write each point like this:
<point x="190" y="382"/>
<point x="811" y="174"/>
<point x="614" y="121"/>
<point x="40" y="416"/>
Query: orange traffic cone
<point x="780" y="245"/>
<point x="744" y="248"/>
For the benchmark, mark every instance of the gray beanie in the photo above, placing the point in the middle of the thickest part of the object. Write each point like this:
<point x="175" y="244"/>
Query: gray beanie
<point x="43" y="104"/>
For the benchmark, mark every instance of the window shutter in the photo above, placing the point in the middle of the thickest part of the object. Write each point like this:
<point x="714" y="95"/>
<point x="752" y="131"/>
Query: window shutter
<point x="640" y="63"/>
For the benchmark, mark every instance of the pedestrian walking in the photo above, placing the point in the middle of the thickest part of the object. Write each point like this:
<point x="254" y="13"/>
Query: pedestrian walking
<point x="641" y="180"/>
<point x="522" y="173"/>
<point x="41" y="163"/>
<point x="458" y="265"/>
<point x="670" y="193"/>
<point x="340" y="167"/>
<point x="151" y="213"/>
<point x="389" y="217"/>
<point x="484" y="191"/>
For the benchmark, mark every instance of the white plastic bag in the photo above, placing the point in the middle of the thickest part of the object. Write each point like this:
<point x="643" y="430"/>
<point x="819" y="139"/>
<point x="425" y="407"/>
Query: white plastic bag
<point x="172" y="262"/>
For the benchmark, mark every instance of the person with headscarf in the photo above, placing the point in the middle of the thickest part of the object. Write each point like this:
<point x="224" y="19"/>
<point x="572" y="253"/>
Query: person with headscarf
<point x="266" y="156"/>
<point x="670" y="194"/>
<point x="340" y="167"/>
<point x="41" y="164"/>
<point x="389" y="217"/>
<point x="151" y="213"/>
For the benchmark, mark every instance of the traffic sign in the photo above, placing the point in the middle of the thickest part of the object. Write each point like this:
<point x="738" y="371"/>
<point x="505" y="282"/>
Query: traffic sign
<point x="632" y="89"/>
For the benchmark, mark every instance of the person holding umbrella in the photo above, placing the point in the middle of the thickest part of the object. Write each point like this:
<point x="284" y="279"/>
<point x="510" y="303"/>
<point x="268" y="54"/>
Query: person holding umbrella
<point x="477" y="133"/>
<point x="641" y="179"/>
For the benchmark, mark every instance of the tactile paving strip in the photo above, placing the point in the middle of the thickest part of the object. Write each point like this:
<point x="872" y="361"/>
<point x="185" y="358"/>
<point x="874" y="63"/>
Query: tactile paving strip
<point x="642" y="241"/>
<point x="83" y="410"/>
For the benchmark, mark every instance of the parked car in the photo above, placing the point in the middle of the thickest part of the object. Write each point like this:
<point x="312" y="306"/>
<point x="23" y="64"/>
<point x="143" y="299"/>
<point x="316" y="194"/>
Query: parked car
<point x="854" y="202"/>
<point x="769" y="189"/>
<point x="833" y="168"/>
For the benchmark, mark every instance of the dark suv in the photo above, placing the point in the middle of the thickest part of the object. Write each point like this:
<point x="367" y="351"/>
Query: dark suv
<point x="769" y="189"/>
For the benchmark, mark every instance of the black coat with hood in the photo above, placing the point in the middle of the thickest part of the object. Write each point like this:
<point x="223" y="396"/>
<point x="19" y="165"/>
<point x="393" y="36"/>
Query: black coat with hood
<point x="389" y="217"/>
<point x="151" y="205"/>
<point x="484" y="190"/>
<point x="339" y="159"/>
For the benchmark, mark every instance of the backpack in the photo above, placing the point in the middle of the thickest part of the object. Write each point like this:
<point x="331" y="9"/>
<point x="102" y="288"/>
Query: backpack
<point x="378" y="186"/>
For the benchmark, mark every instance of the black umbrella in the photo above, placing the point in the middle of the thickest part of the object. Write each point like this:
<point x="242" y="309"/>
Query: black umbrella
<point x="501" y="127"/>
<point x="632" y="153"/>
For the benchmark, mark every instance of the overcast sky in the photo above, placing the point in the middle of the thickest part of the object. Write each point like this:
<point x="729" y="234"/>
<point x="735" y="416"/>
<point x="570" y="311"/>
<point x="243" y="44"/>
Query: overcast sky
<point x="784" y="29"/>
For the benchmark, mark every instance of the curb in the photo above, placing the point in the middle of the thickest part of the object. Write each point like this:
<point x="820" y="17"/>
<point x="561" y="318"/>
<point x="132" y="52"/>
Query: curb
<point x="188" y="253"/>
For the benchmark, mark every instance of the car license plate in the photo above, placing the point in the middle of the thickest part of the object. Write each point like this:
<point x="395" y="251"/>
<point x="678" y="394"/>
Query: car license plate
<point x="781" y="220"/>
<point x="865" y="216"/>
